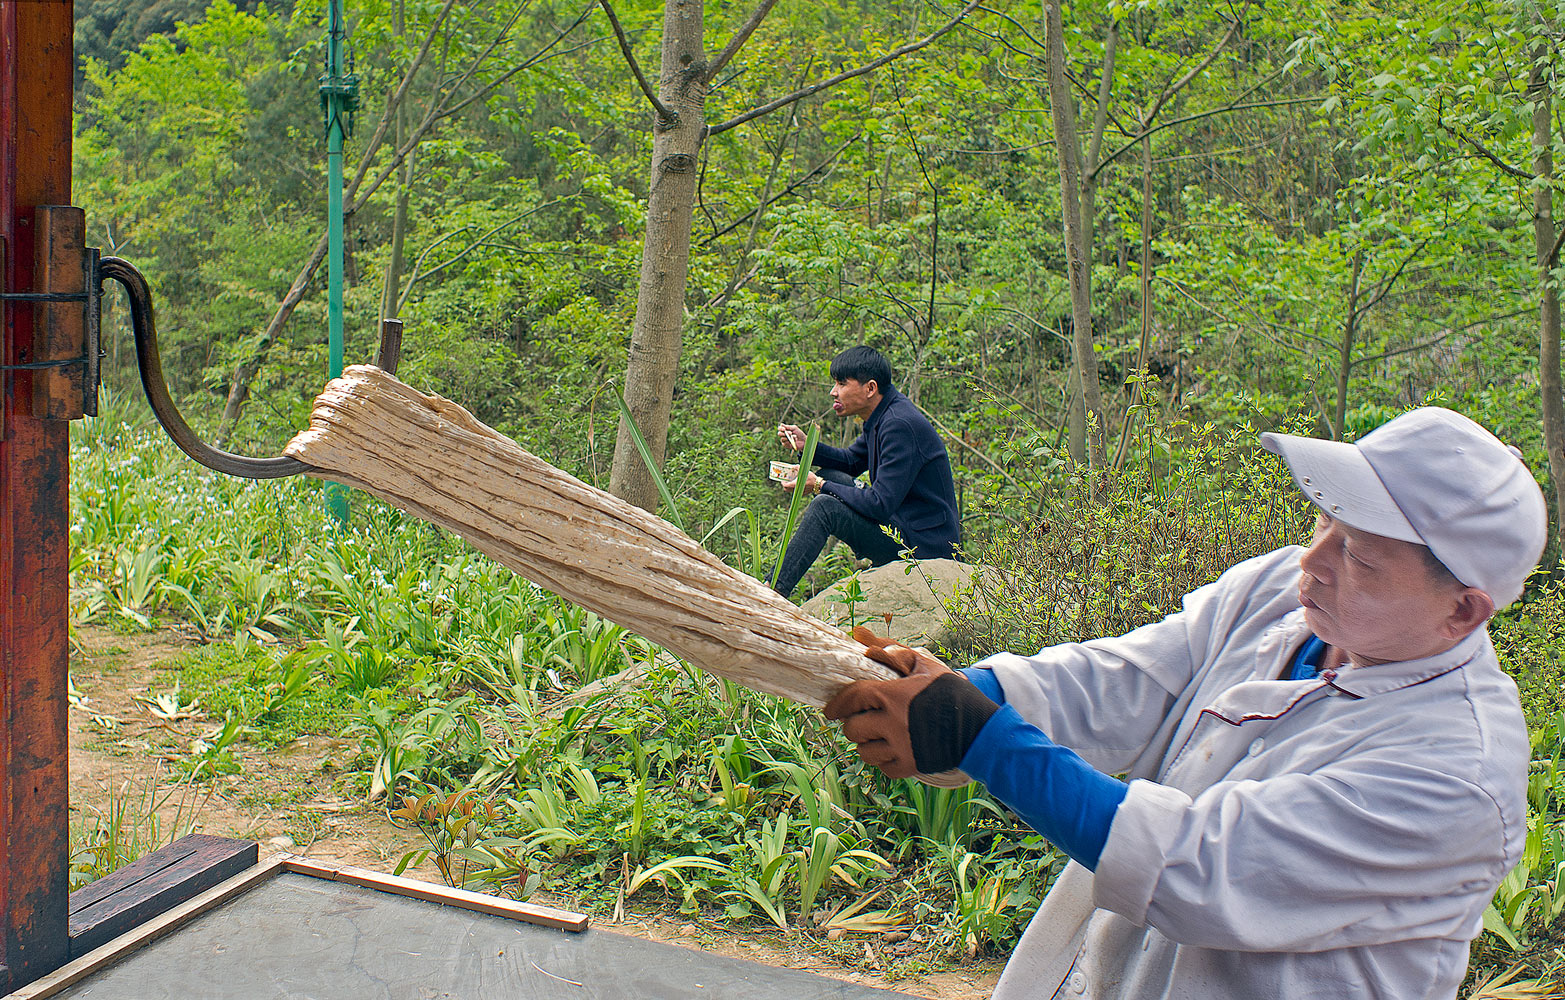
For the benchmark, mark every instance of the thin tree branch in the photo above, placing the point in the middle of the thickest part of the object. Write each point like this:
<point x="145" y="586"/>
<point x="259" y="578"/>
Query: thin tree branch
<point x="1100" y="115"/>
<point x="1357" y="362"/>
<point x="1384" y="286"/>
<point x="482" y="241"/>
<point x="785" y="192"/>
<point x="1232" y="105"/>
<point x="737" y="42"/>
<point x="1019" y="27"/>
<point x="868" y="67"/>
<point x="1184" y="81"/>
<point x="1135" y="140"/>
<point x="1049" y="330"/>
<point x="355" y="200"/>
<point x="742" y="270"/>
<point x="1261" y="324"/>
<point x="959" y="439"/>
<point x="1486" y="152"/>
<point x="1444" y="336"/>
<point x="934" y="242"/>
<point x="528" y="63"/>
<point x="1089" y="95"/>
<point x="479" y="60"/>
<point x="1075" y="82"/>
<point x="395" y="100"/>
<point x="668" y="116"/>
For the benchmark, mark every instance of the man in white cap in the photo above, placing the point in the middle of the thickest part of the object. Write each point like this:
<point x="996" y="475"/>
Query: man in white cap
<point x="1325" y="766"/>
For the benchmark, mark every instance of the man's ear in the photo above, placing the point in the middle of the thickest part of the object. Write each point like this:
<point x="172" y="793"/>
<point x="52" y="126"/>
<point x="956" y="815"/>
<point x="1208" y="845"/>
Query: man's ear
<point x="872" y="385"/>
<point x="1473" y="608"/>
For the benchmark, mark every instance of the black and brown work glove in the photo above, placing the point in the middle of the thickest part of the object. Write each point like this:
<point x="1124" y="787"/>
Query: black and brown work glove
<point x="915" y="725"/>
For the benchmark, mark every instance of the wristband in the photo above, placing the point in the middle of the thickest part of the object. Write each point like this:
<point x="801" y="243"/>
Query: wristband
<point x="944" y="719"/>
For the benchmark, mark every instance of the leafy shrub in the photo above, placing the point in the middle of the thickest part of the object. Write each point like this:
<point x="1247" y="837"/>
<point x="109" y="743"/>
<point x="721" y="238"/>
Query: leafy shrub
<point x="1082" y="555"/>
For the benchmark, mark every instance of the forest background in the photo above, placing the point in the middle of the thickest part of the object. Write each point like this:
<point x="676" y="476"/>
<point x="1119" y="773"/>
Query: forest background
<point x="1100" y="283"/>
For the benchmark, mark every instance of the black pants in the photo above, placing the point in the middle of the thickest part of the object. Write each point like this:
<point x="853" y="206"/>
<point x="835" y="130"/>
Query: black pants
<point x="826" y="515"/>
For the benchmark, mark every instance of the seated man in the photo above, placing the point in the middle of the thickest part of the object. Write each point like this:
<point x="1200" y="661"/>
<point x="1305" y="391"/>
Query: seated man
<point x="910" y="476"/>
<point x="1327" y="768"/>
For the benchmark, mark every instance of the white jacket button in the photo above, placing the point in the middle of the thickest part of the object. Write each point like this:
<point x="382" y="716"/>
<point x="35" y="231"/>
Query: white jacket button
<point x="1079" y="982"/>
<point x="1256" y="747"/>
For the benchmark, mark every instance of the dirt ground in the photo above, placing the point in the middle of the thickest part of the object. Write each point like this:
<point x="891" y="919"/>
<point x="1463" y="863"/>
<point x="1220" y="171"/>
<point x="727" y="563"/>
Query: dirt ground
<point x="290" y="799"/>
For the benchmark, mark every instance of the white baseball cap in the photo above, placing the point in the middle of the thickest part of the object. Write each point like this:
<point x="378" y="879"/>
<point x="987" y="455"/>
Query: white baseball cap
<point x="1434" y="477"/>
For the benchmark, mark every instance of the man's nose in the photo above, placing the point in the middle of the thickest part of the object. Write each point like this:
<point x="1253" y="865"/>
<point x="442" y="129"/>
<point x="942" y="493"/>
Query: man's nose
<point x="1314" y="561"/>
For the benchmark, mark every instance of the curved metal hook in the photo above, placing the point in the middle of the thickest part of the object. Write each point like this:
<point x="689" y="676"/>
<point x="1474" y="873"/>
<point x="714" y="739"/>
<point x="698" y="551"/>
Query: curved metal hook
<point x="150" y="362"/>
<point x="151" y="365"/>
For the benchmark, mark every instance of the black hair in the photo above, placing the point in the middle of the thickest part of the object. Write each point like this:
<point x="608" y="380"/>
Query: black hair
<point x="862" y="363"/>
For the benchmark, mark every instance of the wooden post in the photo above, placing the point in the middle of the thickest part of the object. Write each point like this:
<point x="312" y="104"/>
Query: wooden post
<point x="35" y="169"/>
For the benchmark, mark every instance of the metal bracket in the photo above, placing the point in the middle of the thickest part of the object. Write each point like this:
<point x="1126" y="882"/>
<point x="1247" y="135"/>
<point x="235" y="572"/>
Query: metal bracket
<point x="150" y="362"/>
<point x="65" y="335"/>
<point x="67" y="353"/>
<point x="168" y="415"/>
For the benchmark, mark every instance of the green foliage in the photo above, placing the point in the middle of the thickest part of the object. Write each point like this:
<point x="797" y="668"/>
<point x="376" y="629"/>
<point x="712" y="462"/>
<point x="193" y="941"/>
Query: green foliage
<point x="1331" y="170"/>
<point x="1099" y="554"/>
<point x="458" y="828"/>
<point x="796" y="500"/>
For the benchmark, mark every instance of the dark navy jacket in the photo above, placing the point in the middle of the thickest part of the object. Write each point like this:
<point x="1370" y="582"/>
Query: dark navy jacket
<point x="910" y="476"/>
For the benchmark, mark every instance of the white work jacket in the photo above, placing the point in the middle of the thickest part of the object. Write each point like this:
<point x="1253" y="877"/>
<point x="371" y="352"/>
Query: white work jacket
<point x="1334" y="838"/>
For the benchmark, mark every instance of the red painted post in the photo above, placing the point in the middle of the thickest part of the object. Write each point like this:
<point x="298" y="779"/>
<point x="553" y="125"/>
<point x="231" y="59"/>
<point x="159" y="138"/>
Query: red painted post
<point x="35" y="169"/>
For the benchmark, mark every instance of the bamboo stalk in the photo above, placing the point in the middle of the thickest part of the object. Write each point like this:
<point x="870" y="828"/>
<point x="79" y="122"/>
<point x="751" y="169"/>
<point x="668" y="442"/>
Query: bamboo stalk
<point x="432" y="458"/>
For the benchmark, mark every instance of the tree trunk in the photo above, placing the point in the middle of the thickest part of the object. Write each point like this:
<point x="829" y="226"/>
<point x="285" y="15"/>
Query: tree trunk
<point x="396" y="263"/>
<point x="665" y="256"/>
<point x="1089" y="215"/>
<point x="1553" y="403"/>
<point x="1350" y="327"/>
<point x="1145" y="346"/>
<point x="1063" y="111"/>
<point x="391" y="289"/>
<point x="1075" y="413"/>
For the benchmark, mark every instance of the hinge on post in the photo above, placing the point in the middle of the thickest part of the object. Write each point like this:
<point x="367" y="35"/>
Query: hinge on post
<point x="65" y="324"/>
<point x="64" y="360"/>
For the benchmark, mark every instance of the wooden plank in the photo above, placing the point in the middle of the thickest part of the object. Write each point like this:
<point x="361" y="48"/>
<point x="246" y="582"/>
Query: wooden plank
<point x="35" y="169"/>
<point x="107" y="954"/>
<point x="532" y="913"/>
<point x="101" y="888"/>
<point x="110" y="906"/>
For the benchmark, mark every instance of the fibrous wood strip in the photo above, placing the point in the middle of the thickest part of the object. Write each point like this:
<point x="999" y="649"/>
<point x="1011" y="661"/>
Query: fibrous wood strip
<point x="432" y="458"/>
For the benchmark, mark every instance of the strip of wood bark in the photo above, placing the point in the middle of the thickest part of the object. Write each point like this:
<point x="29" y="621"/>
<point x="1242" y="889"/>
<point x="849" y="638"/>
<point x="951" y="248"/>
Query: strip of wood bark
<point x="432" y="458"/>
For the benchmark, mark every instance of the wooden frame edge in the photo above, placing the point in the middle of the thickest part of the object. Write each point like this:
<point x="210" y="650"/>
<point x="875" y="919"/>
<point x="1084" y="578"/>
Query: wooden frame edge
<point x="78" y="969"/>
<point x="532" y="913"/>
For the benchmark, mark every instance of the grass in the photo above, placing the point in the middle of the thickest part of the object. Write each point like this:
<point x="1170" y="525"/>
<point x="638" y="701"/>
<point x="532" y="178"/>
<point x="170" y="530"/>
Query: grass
<point x="140" y="816"/>
<point x="229" y="679"/>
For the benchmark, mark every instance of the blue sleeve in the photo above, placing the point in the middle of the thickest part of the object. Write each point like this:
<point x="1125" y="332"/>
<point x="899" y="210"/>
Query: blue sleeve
<point x="896" y="469"/>
<point x="1051" y="788"/>
<point x="853" y="459"/>
<point x="984" y="680"/>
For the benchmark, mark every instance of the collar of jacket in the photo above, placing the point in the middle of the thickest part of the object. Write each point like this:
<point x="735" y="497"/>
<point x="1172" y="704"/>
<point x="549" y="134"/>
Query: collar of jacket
<point x="886" y="397"/>
<point x="1365" y="682"/>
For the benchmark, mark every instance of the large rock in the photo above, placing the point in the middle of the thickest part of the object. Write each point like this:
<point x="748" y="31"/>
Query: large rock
<point x="915" y="595"/>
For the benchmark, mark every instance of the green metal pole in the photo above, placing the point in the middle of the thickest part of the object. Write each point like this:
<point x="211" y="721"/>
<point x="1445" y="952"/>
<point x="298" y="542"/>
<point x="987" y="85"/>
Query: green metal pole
<point x="338" y="100"/>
